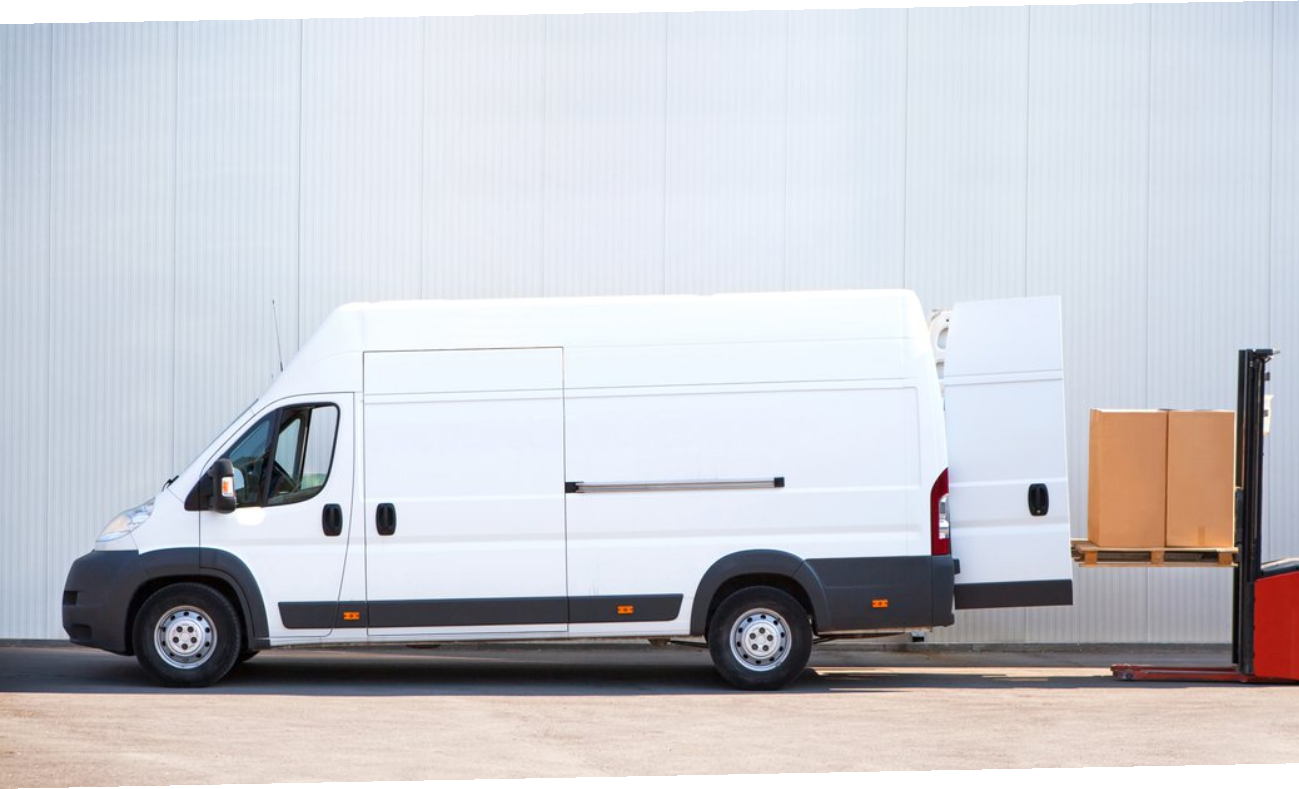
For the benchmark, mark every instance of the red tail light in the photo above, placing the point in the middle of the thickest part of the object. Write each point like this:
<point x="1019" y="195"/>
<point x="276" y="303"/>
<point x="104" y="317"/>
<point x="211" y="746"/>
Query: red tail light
<point x="940" y="529"/>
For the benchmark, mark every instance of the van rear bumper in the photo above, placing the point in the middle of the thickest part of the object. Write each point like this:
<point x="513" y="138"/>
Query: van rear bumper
<point x="882" y="593"/>
<point x="97" y="599"/>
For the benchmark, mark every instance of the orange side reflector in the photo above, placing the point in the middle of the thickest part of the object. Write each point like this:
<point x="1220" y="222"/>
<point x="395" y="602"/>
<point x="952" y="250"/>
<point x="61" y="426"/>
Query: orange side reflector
<point x="227" y="487"/>
<point x="626" y="609"/>
<point x="879" y="604"/>
<point x="351" y="616"/>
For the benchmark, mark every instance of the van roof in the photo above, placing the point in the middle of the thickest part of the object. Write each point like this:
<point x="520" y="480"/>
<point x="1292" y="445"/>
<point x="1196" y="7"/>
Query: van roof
<point x="611" y="321"/>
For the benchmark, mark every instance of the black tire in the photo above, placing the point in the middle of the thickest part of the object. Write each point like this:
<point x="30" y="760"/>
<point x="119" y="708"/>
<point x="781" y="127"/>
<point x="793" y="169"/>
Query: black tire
<point x="187" y="635"/>
<point x="776" y="629"/>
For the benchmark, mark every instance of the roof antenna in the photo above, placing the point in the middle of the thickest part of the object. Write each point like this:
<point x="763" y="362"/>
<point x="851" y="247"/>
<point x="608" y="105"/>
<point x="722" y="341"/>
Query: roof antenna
<point x="275" y="317"/>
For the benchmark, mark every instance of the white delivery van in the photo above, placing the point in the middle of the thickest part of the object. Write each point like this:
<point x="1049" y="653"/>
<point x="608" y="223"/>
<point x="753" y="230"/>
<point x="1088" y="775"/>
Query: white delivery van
<point x="759" y="470"/>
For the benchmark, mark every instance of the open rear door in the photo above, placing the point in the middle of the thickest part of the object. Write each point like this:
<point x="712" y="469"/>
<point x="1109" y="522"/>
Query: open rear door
<point x="1009" y="502"/>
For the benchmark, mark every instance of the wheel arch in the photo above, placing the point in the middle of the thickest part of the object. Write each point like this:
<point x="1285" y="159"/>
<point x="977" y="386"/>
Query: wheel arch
<point x="220" y="570"/>
<point x="779" y="569"/>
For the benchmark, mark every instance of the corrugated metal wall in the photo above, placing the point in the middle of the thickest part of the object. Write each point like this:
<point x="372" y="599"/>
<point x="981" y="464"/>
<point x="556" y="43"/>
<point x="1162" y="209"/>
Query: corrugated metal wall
<point x="160" y="184"/>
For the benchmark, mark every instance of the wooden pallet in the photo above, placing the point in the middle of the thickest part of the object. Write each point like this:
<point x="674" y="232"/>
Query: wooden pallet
<point x="1089" y="554"/>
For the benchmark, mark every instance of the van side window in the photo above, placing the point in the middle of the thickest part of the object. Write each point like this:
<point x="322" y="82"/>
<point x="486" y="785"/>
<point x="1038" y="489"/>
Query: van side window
<point x="303" y="454"/>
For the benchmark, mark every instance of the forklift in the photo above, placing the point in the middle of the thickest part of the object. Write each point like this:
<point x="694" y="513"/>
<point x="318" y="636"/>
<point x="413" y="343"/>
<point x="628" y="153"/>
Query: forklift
<point x="1265" y="596"/>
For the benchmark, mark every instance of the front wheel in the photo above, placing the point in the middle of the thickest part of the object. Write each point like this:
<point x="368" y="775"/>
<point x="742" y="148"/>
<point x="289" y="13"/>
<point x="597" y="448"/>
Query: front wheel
<point x="760" y="638"/>
<point x="187" y="635"/>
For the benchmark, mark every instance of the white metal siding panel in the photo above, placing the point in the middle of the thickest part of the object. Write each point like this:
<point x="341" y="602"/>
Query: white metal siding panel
<point x="236" y="219"/>
<point x="25" y="603"/>
<point x="1187" y="604"/>
<point x="484" y="104"/>
<point x="1208" y="258"/>
<point x="1110" y="606"/>
<point x="1281" y="537"/>
<point x="725" y="152"/>
<point x="605" y="137"/>
<point x="992" y="626"/>
<point x="775" y="154"/>
<point x="361" y="173"/>
<point x="846" y="149"/>
<point x="967" y="114"/>
<point x="1088" y="170"/>
<point x="112" y="292"/>
<point x="1209" y="189"/>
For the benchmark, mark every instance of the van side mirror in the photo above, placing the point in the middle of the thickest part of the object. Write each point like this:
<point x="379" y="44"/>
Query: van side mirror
<point x="223" y="486"/>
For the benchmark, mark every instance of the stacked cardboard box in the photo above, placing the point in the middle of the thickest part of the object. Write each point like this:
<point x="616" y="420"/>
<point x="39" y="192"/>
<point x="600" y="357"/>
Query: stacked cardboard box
<point x="1161" y="479"/>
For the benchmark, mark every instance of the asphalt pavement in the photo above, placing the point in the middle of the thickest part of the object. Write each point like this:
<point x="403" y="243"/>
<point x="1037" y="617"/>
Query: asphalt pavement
<point x="76" y="717"/>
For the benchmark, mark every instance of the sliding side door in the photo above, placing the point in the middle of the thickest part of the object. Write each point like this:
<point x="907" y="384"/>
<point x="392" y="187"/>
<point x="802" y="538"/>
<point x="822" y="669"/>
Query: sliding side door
<point x="464" y="492"/>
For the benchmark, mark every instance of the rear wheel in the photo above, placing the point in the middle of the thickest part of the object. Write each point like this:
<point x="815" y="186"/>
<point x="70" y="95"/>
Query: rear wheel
<point x="760" y="638"/>
<point x="187" y="635"/>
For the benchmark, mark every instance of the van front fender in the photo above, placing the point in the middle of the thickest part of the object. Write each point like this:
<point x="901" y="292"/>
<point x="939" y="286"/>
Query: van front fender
<point x="220" y="565"/>
<point x="103" y="590"/>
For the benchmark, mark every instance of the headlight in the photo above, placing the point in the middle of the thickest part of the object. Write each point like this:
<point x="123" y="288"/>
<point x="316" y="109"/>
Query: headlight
<point x="127" y="522"/>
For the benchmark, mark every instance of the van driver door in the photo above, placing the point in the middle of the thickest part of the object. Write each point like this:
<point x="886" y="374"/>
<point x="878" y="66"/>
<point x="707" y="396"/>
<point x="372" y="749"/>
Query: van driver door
<point x="293" y="484"/>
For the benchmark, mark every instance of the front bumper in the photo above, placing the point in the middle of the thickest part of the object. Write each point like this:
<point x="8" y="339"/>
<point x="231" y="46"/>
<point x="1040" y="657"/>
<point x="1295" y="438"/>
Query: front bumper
<point x="97" y="599"/>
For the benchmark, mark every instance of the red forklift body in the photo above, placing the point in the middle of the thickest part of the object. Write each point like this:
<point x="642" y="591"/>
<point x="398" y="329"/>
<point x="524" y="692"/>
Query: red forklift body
<point x="1276" y="626"/>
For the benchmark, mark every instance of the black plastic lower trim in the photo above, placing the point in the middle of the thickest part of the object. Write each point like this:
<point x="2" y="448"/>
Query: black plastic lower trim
<point x="942" y="580"/>
<point x="97" y="599"/>
<point x="481" y="612"/>
<point x="885" y="592"/>
<point x="468" y="613"/>
<point x="849" y="594"/>
<point x="316" y="616"/>
<point x="1014" y="594"/>
<point x="624" y="608"/>
<point x="216" y="564"/>
<point x="755" y="564"/>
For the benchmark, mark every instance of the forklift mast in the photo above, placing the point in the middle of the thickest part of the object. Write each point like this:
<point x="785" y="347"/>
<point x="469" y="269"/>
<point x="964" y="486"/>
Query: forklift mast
<point x="1251" y="383"/>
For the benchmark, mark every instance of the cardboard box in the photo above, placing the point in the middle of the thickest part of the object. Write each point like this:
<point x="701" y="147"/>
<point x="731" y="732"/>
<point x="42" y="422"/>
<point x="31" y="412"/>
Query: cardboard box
<point x="1200" y="509"/>
<point x="1127" y="486"/>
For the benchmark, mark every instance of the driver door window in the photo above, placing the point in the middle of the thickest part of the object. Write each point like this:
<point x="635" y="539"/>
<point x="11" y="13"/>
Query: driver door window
<point x="286" y="456"/>
<point x="304" y="451"/>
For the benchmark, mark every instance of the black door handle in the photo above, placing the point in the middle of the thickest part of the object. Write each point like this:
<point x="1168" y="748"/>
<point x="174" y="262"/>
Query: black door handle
<point x="1039" y="502"/>
<point x="331" y="520"/>
<point x="385" y="519"/>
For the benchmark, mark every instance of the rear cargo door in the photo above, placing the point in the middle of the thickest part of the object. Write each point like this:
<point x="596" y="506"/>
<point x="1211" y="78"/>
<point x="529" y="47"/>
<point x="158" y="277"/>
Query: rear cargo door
<point x="1004" y="407"/>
